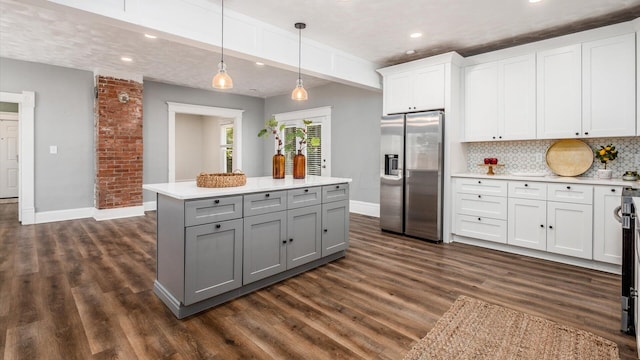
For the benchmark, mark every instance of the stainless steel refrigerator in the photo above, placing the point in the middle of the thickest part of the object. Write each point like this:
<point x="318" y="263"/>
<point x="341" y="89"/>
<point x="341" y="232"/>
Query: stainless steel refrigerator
<point x="411" y="174"/>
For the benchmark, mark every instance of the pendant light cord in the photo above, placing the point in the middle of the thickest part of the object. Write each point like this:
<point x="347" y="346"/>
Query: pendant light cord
<point x="299" y="51"/>
<point x="222" y="33"/>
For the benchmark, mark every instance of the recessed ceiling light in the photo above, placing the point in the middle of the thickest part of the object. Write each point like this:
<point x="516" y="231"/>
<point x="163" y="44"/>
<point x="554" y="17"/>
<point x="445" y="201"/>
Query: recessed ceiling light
<point x="149" y="36"/>
<point x="534" y="1"/>
<point x="126" y="59"/>
<point x="259" y="63"/>
<point x="410" y="52"/>
<point x="416" y="35"/>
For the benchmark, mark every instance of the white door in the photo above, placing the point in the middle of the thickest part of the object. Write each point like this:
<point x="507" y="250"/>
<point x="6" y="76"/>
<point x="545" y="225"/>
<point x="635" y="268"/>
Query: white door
<point x="8" y="158"/>
<point x="319" y="157"/>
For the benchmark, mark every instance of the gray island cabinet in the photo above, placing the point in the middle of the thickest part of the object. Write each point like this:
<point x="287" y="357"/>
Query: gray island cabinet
<point x="216" y="244"/>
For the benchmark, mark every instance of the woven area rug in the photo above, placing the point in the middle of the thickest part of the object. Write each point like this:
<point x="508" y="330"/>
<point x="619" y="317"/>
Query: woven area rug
<point x="473" y="329"/>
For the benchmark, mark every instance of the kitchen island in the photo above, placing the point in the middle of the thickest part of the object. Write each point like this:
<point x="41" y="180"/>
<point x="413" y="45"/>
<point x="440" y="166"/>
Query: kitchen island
<point x="216" y="244"/>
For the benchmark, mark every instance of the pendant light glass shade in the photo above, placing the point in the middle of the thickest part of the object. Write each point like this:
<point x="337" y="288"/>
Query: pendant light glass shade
<point x="222" y="80"/>
<point x="299" y="93"/>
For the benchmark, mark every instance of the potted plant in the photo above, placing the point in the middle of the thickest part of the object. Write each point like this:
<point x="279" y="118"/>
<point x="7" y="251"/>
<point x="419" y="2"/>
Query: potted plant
<point x="271" y="126"/>
<point x="300" y="137"/>
<point x="605" y="154"/>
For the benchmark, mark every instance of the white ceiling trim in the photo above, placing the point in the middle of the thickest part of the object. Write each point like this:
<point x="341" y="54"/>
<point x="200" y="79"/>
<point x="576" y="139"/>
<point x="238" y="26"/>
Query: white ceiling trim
<point x="197" y="23"/>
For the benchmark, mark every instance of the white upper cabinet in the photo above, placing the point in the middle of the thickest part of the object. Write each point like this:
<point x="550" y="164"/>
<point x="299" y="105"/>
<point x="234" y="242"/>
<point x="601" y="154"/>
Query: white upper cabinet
<point x="517" y="98"/>
<point x="415" y="90"/>
<point x="481" y="102"/>
<point x="559" y="88"/>
<point x="500" y="100"/>
<point x="609" y="87"/>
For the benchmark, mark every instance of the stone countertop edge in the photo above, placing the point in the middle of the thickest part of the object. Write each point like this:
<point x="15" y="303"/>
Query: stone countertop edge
<point x="186" y="190"/>
<point x="554" y="178"/>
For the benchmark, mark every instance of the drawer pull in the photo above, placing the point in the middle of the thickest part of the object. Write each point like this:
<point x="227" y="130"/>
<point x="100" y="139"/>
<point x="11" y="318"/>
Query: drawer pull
<point x="284" y="241"/>
<point x="479" y="182"/>
<point x="479" y="219"/>
<point x="306" y="190"/>
<point x="266" y="195"/>
<point x="218" y="226"/>
<point x="290" y="240"/>
<point x="479" y="196"/>
<point x="525" y="185"/>
<point x="216" y="201"/>
<point x="541" y="225"/>
<point x="325" y="230"/>
<point x="337" y="186"/>
<point x="568" y="187"/>
<point x="550" y="227"/>
<point x="613" y="190"/>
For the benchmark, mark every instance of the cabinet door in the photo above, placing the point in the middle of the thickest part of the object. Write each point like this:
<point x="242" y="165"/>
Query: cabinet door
<point x="569" y="229"/>
<point x="607" y="232"/>
<point x="527" y="223"/>
<point x="213" y="260"/>
<point x="428" y="88"/>
<point x="397" y="93"/>
<point x="305" y="235"/>
<point x="481" y="102"/>
<point x="608" y="88"/>
<point x="517" y="98"/>
<point x="265" y="246"/>
<point x="335" y="227"/>
<point x="559" y="98"/>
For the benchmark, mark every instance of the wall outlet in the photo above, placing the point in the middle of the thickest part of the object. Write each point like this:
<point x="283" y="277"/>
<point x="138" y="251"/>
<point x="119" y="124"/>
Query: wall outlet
<point x="53" y="149"/>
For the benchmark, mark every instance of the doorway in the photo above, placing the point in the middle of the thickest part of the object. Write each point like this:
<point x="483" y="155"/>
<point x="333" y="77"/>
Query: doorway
<point x="9" y="153"/>
<point x="232" y="118"/>
<point x="318" y="157"/>
<point x="25" y="154"/>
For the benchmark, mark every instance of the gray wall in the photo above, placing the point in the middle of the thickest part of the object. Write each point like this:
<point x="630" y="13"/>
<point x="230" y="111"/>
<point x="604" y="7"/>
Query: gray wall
<point x="355" y="134"/>
<point x="156" y="131"/>
<point x="63" y="117"/>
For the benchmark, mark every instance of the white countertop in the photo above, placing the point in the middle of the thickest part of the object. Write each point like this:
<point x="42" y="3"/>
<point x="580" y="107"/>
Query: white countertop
<point x="554" y="178"/>
<point x="188" y="189"/>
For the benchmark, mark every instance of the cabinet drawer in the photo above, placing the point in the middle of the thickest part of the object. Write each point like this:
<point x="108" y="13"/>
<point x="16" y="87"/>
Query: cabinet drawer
<point x="197" y="212"/>
<point x="332" y="193"/>
<point x="579" y="194"/>
<point x="481" y="186"/>
<point x="481" y="228"/>
<point x="304" y="197"/>
<point x="266" y="202"/>
<point x="527" y="190"/>
<point x="482" y="205"/>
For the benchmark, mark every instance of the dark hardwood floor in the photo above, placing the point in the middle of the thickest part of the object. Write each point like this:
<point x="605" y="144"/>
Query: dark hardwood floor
<point x="82" y="290"/>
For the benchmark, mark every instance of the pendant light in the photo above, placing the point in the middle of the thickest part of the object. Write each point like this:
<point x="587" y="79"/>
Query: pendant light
<point x="222" y="80"/>
<point x="299" y="93"/>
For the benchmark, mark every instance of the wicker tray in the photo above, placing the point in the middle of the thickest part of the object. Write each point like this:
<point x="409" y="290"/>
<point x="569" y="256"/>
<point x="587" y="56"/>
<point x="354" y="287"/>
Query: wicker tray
<point x="220" y="180"/>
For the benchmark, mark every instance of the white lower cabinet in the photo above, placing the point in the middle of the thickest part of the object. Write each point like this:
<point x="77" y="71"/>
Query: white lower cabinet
<point x="607" y="232"/>
<point x="481" y="228"/>
<point x="527" y="223"/>
<point x="552" y="217"/>
<point x="569" y="230"/>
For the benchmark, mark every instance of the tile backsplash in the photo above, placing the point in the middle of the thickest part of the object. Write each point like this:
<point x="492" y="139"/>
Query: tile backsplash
<point x="529" y="156"/>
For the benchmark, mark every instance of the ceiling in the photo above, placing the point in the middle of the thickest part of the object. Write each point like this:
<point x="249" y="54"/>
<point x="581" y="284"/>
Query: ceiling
<point x="375" y="30"/>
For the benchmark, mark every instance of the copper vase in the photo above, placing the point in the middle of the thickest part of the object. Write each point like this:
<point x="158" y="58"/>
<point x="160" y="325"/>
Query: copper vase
<point x="278" y="165"/>
<point x="299" y="166"/>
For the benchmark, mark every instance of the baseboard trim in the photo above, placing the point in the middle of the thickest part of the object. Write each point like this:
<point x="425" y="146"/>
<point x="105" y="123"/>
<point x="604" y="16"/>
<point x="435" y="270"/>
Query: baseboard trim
<point x="150" y="205"/>
<point x="62" y="215"/>
<point x="364" y="208"/>
<point x="117" y="213"/>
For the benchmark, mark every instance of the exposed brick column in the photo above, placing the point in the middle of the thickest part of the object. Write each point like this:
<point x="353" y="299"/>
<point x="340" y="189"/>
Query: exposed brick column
<point x="118" y="143"/>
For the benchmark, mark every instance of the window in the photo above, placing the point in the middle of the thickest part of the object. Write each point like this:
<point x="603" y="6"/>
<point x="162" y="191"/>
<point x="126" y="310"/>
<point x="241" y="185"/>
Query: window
<point x="226" y="146"/>
<point x="318" y="157"/>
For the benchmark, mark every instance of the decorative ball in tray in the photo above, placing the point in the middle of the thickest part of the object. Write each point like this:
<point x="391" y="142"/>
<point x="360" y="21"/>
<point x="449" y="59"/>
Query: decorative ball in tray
<point x="219" y="180"/>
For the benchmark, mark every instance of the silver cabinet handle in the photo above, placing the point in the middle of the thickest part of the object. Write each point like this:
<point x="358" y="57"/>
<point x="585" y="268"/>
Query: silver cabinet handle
<point x="616" y="214"/>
